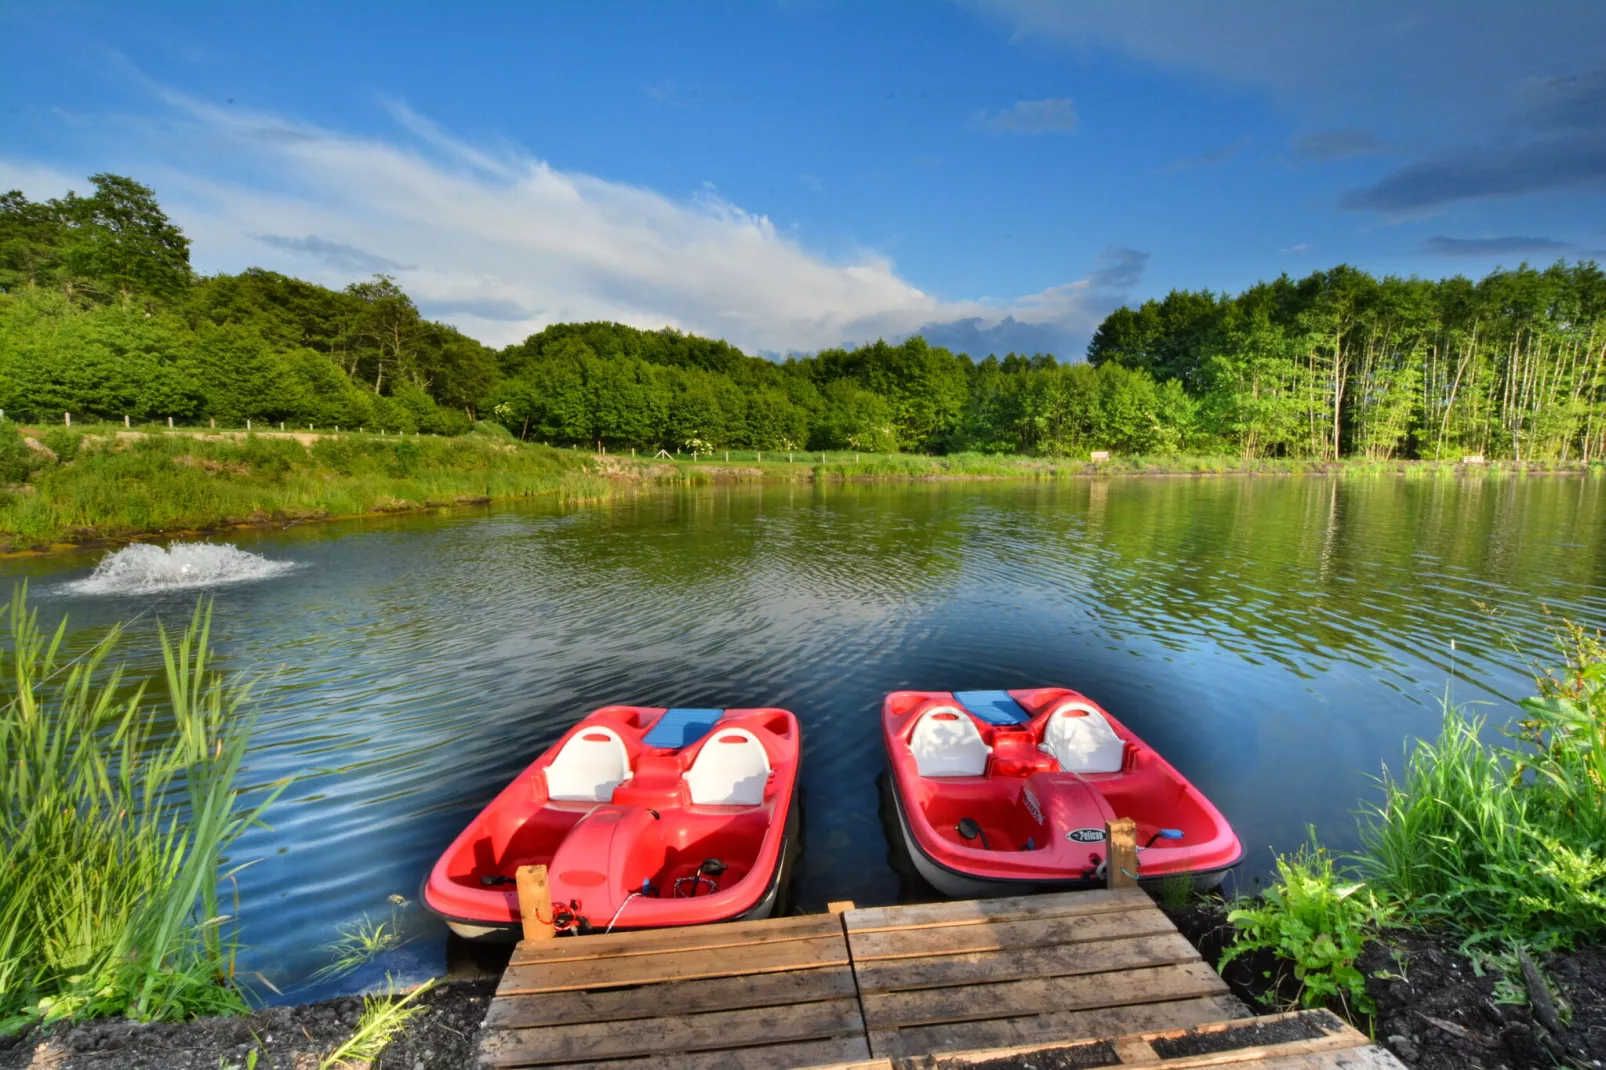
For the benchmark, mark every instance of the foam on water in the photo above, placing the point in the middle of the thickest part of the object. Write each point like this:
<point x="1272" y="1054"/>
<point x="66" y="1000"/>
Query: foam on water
<point x="144" y="569"/>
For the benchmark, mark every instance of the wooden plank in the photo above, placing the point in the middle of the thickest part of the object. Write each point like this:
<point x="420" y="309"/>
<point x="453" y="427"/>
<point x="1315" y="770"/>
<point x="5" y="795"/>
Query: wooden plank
<point x="1064" y="1026"/>
<point x="1007" y="935"/>
<point x="931" y="1006"/>
<point x="1121" y="853"/>
<point x="686" y="997"/>
<point x="652" y="941"/>
<point x="980" y="911"/>
<point x="535" y="903"/>
<point x="1370" y="1057"/>
<point x="1257" y="1055"/>
<point x="671" y="966"/>
<point x="982" y="967"/>
<point x="714" y="1031"/>
<point x="841" y="1053"/>
<point x="839" y="906"/>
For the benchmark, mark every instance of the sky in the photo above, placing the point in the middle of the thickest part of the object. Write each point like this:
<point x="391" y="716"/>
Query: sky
<point x="798" y="174"/>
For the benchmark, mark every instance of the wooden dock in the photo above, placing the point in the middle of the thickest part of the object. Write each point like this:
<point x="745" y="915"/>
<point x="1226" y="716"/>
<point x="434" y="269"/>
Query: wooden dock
<point x="927" y="985"/>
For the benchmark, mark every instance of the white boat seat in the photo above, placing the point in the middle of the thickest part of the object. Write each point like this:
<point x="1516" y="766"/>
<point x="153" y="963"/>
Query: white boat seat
<point x="589" y="767"/>
<point x="1082" y="741"/>
<point x="730" y="770"/>
<point x="946" y="742"/>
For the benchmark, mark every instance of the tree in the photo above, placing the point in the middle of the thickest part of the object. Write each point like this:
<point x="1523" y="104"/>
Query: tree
<point x="121" y="241"/>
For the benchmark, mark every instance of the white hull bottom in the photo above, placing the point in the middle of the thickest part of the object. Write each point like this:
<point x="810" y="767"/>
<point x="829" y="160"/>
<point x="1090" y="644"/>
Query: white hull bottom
<point x="958" y="886"/>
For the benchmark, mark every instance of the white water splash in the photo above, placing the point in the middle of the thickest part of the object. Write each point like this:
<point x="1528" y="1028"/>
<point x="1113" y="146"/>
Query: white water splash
<point x="144" y="569"/>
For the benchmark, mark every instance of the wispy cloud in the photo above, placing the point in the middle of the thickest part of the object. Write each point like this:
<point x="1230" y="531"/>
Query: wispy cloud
<point x="1295" y="249"/>
<point x="1218" y="155"/>
<point x="1554" y="139"/>
<point x="1054" y="115"/>
<point x="1488" y="247"/>
<point x="336" y="254"/>
<point x="1324" y="146"/>
<point x="502" y="243"/>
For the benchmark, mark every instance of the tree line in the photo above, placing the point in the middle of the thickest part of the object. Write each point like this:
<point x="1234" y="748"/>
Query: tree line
<point x="101" y="315"/>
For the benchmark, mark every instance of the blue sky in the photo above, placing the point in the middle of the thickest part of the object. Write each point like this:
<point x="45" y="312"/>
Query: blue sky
<point x="801" y="174"/>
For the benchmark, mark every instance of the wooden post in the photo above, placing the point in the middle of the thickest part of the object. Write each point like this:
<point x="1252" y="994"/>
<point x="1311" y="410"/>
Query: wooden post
<point x="66" y="418"/>
<point x="1121" y="853"/>
<point x="170" y="423"/>
<point x="535" y="902"/>
<point x="839" y="906"/>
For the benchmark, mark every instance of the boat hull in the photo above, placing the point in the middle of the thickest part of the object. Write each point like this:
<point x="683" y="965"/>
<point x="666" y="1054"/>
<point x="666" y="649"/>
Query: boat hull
<point x="956" y="885"/>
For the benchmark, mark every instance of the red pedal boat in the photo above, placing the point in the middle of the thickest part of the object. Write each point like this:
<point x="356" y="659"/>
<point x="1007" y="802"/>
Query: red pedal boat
<point x="643" y="817"/>
<point x="1001" y="791"/>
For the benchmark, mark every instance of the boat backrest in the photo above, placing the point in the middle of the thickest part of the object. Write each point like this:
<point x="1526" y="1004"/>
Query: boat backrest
<point x="730" y="770"/>
<point x="946" y="742"/>
<point x="1082" y="741"/>
<point x="591" y="764"/>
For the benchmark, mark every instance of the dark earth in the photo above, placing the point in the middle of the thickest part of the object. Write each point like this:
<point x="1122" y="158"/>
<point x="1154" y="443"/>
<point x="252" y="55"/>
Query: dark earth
<point x="444" y="1037"/>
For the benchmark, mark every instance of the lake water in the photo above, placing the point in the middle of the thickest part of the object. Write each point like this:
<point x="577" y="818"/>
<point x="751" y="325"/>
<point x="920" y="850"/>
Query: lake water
<point x="1278" y="639"/>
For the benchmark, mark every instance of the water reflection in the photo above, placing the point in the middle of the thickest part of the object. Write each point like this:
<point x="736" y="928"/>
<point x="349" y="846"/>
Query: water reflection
<point x="1277" y="638"/>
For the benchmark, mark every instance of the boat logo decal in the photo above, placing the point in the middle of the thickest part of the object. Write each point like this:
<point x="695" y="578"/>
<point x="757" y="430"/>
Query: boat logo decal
<point x="1033" y="807"/>
<point x="1086" y="835"/>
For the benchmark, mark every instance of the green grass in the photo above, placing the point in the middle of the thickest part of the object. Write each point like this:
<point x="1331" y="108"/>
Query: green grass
<point x="362" y="941"/>
<point x="119" y="800"/>
<point x="383" y="1017"/>
<point x="1499" y="843"/>
<point x="172" y="482"/>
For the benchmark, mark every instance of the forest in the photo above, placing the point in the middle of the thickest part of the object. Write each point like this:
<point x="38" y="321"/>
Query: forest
<point x="102" y="316"/>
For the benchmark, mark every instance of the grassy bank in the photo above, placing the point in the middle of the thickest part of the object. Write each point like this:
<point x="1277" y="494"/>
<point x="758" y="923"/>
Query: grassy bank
<point x="62" y="486"/>
<point x="1498" y="849"/>
<point x="117" y="802"/>
<point x="107" y="483"/>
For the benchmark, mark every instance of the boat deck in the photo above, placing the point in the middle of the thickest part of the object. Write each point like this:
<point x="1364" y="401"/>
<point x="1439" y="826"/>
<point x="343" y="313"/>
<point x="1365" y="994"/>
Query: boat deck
<point x="890" y="987"/>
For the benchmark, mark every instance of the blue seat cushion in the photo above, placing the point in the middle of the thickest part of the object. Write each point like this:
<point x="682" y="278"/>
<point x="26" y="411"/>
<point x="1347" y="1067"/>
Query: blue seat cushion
<point x="994" y="707"/>
<point x="681" y="728"/>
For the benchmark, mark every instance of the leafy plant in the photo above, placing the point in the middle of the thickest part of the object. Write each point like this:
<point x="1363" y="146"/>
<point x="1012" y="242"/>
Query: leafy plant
<point x="1317" y="921"/>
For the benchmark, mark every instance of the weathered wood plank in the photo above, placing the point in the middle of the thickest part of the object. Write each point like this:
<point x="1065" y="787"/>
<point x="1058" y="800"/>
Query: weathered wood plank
<point x="982" y="911"/>
<point x="1370" y="1057"/>
<point x="840" y="1053"/>
<point x="1007" y="935"/>
<point x="684" y="997"/>
<point x="1161" y="984"/>
<point x="654" y="941"/>
<point x="779" y="957"/>
<point x="1258" y="1055"/>
<point x="713" y="1031"/>
<point x="982" y="967"/>
<point x="1064" y="1026"/>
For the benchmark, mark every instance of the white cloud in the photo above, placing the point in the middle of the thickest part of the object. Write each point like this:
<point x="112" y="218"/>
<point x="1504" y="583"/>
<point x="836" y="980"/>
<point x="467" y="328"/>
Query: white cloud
<point x="505" y="243"/>
<point x="1055" y="115"/>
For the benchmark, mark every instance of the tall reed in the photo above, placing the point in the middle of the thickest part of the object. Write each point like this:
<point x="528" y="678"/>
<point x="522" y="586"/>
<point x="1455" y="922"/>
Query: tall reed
<point x="117" y="803"/>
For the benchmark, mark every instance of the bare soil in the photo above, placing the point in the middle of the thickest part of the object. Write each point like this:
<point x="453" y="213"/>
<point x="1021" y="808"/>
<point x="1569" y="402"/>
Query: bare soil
<point x="1435" y="1010"/>
<point x="444" y="1037"/>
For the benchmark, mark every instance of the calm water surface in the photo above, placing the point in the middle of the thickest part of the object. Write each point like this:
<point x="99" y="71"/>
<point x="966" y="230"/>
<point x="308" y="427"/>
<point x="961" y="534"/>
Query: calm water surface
<point x="1277" y="638"/>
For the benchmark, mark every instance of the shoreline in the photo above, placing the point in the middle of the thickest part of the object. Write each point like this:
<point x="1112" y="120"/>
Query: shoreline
<point x="608" y="473"/>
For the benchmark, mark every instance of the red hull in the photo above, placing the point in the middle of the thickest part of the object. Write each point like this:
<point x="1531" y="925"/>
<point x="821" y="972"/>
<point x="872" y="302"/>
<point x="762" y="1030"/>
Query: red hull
<point x="1031" y="818"/>
<point x="633" y="825"/>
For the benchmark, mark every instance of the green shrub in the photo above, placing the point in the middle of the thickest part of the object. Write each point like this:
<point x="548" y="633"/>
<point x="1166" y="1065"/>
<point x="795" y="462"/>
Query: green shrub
<point x="17" y="461"/>
<point x="63" y="443"/>
<point x="1317" y="921"/>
